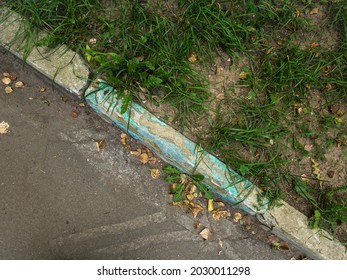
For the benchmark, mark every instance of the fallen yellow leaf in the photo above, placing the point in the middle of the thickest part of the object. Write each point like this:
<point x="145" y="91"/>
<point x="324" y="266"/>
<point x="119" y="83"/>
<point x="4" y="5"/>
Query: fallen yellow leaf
<point x="193" y="57"/>
<point x="6" y="80"/>
<point x="4" y="126"/>
<point x="19" y="84"/>
<point x="8" y="90"/>
<point x="205" y="233"/>
<point x="210" y="206"/>
<point x="143" y="158"/>
<point x="8" y="75"/>
<point x="243" y="75"/>
<point x="237" y="217"/>
<point x="155" y="173"/>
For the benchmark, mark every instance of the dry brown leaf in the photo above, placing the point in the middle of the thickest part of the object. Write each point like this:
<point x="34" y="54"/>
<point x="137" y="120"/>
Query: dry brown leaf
<point x="314" y="11"/>
<point x="220" y="204"/>
<point x="220" y="96"/>
<point x="8" y="90"/>
<point x="190" y="197"/>
<point x="237" y="217"/>
<point x="205" y="233"/>
<point x="136" y="152"/>
<point x="308" y="147"/>
<point x="143" y="158"/>
<point x="82" y="104"/>
<point x="224" y="214"/>
<point x="305" y="178"/>
<point x="123" y="137"/>
<point x="152" y="160"/>
<point x="19" y="84"/>
<point x="314" y="45"/>
<point x="4" y="126"/>
<point x="74" y="113"/>
<point x="6" y="80"/>
<point x="100" y="144"/>
<point x="328" y="87"/>
<point x="8" y="75"/>
<point x="155" y="173"/>
<point x="42" y="89"/>
<point x="193" y="57"/>
<point x="243" y="75"/>
<point x="216" y="215"/>
<point x="340" y="112"/>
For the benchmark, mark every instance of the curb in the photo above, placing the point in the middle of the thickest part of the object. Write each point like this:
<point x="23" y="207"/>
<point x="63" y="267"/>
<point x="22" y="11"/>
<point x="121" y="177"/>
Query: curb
<point x="67" y="69"/>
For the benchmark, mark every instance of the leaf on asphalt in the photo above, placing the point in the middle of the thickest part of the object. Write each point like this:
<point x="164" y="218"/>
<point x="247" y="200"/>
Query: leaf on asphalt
<point x="6" y="80"/>
<point x="205" y="233"/>
<point x="155" y="173"/>
<point x="144" y="158"/>
<point x="4" y="126"/>
<point x="74" y="113"/>
<point x="100" y="144"/>
<point x="220" y="243"/>
<point x="123" y="137"/>
<point x="136" y="152"/>
<point x="8" y="75"/>
<point x="237" y="217"/>
<point x="19" y="84"/>
<point x="210" y="206"/>
<point x="8" y="90"/>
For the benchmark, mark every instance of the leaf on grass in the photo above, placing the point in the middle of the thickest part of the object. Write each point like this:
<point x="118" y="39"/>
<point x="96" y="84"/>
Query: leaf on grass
<point x="314" y="11"/>
<point x="243" y="75"/>
<point x="155" y="173"/>
<point x="317" y="172"/>
<point x="205" y="233"/>
<point x="193" y="57"/>
<point x="4" y="126"/>
<point x="151" y="82"/>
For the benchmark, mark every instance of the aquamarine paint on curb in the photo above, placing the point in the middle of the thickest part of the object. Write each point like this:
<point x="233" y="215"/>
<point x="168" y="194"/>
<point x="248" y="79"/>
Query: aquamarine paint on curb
<point x="176" y="149"/>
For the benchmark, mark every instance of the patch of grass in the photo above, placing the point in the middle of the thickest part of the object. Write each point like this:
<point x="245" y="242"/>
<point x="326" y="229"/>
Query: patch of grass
<point x="329" y="209"/>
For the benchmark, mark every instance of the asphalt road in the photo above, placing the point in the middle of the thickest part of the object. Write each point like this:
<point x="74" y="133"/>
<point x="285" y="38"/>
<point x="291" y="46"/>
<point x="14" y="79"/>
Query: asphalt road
<point x="61" y="198"/>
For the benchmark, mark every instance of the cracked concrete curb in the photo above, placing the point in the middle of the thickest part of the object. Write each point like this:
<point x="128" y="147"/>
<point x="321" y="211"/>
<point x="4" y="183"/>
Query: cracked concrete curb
<point x="68" y="70"/>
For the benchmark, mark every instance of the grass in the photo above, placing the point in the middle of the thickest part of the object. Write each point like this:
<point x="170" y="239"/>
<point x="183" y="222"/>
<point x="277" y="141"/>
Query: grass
<point x="292" y="94"/>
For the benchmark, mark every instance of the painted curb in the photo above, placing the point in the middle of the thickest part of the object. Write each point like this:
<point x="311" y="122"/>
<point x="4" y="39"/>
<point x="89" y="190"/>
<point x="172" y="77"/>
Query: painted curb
<point x="176" y="149"/>
<point x="72" y="75"/>
<point x="63" y="66"/>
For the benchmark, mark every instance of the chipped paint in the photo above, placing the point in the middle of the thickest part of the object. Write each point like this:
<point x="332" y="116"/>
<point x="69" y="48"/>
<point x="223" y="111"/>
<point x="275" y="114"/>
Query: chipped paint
<point x="176" y="149"/>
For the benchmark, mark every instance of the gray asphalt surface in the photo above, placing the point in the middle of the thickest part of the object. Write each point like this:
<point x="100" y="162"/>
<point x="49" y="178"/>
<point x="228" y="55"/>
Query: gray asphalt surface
<point x="60" y="198"/>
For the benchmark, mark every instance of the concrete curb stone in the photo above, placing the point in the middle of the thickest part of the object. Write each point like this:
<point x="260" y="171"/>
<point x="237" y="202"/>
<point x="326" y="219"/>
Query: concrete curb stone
<point x="67" y="69"/>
